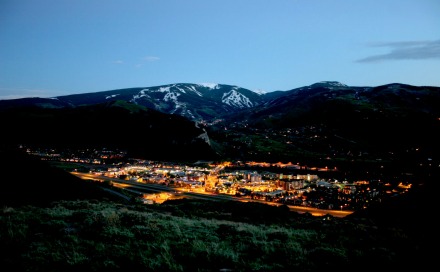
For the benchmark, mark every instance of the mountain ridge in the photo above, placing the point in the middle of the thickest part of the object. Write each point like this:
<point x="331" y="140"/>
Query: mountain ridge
<point x="327" y="119"/>
<point x="193" y="101"/>
<point x="197" y="102"/>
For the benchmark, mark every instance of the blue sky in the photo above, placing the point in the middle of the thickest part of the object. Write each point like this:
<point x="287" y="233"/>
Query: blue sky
<point x="59" y="47"/>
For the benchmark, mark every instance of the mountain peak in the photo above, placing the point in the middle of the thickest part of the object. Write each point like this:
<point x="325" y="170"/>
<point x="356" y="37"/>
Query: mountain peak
<point x="260" y="91"/>
<point x="330" y="84"/>
<point x="209" y="85"/>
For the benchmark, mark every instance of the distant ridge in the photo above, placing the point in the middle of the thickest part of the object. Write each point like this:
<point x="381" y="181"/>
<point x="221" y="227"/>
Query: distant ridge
<point x="328" y="119"/>
<point x="197" y="102"/>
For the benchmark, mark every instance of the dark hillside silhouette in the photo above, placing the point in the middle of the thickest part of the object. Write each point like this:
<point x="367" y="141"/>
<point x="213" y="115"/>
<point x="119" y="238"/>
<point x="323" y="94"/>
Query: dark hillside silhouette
<point x="143" y="132"/>
<point x="26" y="180"/>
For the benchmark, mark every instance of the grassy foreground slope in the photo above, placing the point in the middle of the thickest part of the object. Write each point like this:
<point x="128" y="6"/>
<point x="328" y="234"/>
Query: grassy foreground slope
<point x="50" y="221"/>
<point x="87" y="235"/>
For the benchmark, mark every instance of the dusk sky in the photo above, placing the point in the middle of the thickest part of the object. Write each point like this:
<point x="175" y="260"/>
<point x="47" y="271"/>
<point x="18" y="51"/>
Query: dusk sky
<point x="58" y="47"/>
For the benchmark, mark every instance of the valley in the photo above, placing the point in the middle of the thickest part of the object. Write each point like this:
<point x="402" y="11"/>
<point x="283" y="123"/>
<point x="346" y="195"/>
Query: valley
<point x="315" y="188"/>
<point x="283" y="180"/>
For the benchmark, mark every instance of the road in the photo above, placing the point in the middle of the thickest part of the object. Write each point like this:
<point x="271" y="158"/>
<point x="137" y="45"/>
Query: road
<point x="133" y="185"/>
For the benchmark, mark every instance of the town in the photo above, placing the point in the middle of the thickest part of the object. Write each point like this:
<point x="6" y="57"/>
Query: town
<point x="281" y="183"/>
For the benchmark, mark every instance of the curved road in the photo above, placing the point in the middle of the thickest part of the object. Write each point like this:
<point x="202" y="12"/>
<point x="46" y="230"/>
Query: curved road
<point x="209" y="196"/>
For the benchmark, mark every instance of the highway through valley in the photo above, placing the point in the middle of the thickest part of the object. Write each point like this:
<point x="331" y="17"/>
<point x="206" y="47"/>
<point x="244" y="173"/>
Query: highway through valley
<point x="143" y="188"/>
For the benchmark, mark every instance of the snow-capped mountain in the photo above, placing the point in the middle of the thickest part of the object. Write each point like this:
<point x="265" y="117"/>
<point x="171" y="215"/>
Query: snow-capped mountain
<point x="325" y="118"/>
<point x="203" y="101"/>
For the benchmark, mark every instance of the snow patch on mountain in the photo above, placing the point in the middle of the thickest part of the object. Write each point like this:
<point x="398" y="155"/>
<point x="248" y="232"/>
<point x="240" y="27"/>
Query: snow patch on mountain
<point x="164" y="89"/>
<point x="209" y="85"/>
<point x="236" y="99"/>
<point x="171" y="96"/>
<point x="190" y="114"/>
<point x="180" y="89"/>
<point x="259" y="91"/>
<point x="178" y="107"/>
<point x="111" y="96"/>
<point x="193" y="89"/>
<point x="142" y="93"/>
<point x="204" y="136"/>
<point x="332" y="83"/>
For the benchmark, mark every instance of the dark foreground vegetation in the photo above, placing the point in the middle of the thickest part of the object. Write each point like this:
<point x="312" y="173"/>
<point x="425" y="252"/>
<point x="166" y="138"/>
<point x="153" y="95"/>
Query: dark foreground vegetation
<point x="104" y="236"/>
<point x="51" y="221"/>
